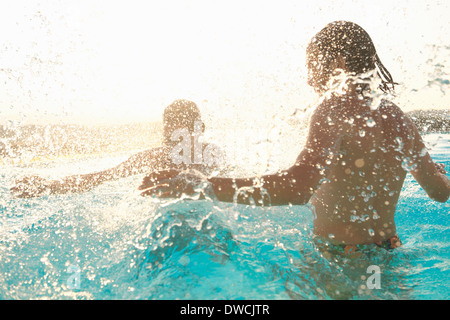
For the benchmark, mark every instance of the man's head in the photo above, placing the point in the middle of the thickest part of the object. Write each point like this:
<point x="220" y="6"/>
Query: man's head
<point x="179" y="115"/>
<point x="342" y="44"/>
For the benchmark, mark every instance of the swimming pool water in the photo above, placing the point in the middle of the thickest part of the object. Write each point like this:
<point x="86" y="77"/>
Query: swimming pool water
<point x="110" y="243"/>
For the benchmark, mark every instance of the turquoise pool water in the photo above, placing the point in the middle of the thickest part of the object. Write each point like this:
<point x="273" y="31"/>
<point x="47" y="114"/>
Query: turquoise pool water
<point x="111" y="243"/>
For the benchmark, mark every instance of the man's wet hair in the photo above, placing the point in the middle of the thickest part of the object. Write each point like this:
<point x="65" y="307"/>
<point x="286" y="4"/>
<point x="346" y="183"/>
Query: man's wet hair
<point x="352" y="43"/>
<point x="178" y="115"/>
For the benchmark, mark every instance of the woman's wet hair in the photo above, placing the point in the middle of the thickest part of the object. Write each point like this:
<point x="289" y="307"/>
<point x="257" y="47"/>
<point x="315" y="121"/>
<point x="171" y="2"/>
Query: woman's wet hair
<point x="178" y="115"/>
<point x="351" y="42"/>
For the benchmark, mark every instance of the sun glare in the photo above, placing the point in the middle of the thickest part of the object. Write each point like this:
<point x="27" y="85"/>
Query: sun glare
<point x="124" y="61"/>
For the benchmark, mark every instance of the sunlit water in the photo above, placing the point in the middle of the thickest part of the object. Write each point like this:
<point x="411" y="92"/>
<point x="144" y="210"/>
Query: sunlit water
<point x="64" y="63"/>
<point x="111" y="243"/>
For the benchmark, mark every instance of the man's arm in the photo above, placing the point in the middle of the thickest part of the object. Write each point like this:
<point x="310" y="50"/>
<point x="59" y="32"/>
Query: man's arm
<point x="36" y="186"/>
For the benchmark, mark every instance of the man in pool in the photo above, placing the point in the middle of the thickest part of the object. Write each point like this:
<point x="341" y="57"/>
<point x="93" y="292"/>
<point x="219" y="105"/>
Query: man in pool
<point x="357" y="153"/>
<point x="180" y="115"/>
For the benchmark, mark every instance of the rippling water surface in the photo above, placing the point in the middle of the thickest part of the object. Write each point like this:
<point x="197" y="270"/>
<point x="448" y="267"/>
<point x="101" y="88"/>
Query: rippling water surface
<point x="111" y="243"/>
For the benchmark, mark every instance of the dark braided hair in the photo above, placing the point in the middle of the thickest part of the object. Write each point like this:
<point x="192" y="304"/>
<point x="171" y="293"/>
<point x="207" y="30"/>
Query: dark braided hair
<point x="354" y="44"/>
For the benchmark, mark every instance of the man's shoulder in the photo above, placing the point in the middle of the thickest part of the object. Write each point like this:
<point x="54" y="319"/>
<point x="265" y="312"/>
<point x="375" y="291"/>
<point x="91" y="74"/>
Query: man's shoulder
<point x="213" y="155"/>
<point x="211" y="146"/>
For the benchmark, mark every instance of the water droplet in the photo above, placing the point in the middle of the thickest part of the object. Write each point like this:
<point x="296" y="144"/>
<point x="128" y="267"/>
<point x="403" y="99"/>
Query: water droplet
<point x="423" y="152"/>
<point x="371" y="123"/>
<point x="371" y="232"/>
<point x="399" y="141"/>
<point x="362" y="133"/>
<point x="408" y="164"/>
<point x="359" y="163"/>
<point x="331" y="236"/>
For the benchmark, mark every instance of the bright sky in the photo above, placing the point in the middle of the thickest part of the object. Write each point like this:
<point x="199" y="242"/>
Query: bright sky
<point x="121" y="61"/>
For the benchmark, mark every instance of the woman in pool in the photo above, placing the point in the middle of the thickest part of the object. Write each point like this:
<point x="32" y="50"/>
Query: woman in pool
<point x="180" y="115"/>
<point x="356" y="156"/>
